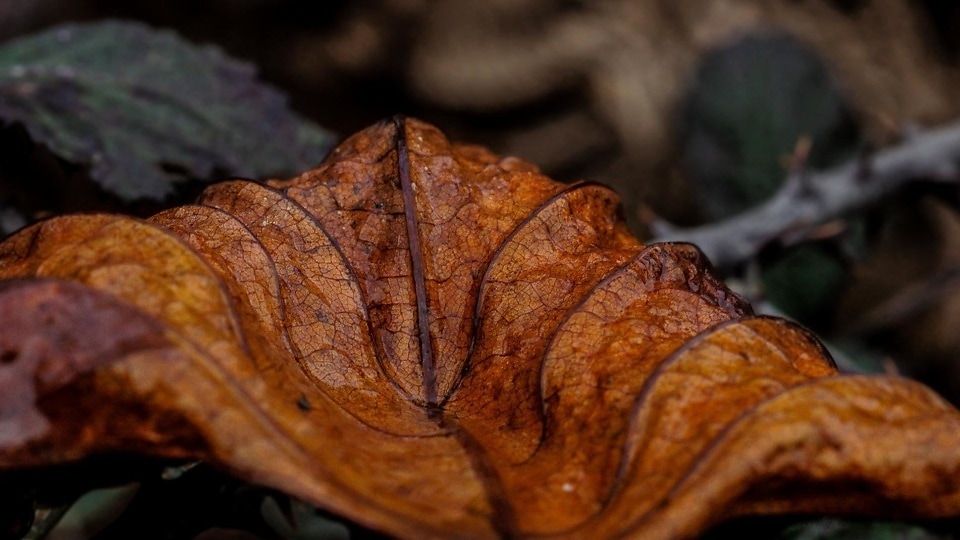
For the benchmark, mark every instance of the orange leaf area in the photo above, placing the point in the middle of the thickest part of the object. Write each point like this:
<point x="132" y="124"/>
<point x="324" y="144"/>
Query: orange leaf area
<point x="437" y="342"/>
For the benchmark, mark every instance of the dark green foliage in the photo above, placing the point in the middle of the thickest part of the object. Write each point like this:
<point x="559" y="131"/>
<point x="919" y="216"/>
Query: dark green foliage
<point x="749" y="105"/>
<point x="805" y="283"/>
<point x="141" y="107"/>
<point x="294" y="520"/>
<point x="751" y="102"/>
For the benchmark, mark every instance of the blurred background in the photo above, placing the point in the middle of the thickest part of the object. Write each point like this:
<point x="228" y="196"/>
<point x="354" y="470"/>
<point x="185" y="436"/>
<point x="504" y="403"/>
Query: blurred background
<point x="692" y="111"/>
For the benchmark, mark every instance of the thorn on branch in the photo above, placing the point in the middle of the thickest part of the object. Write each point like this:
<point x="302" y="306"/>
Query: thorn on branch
<point x="798" y="179"/>
<point x="824" y="231"/>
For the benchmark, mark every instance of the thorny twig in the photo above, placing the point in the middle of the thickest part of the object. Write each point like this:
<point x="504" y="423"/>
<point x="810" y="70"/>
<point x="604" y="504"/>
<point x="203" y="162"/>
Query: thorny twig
<point x="807" y="199"/>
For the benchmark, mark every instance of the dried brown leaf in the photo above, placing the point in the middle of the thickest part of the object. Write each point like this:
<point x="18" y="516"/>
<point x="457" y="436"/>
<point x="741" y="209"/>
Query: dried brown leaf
<point x="437" y="342"/>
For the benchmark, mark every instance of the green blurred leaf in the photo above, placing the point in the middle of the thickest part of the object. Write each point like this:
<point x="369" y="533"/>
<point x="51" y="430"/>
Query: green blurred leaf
<point x="143" y="107"/>
<point x="805" y="283"/>
<point x="90" y="514"/>
<point x="750" y="103"/>
<point x="301" y="522"/>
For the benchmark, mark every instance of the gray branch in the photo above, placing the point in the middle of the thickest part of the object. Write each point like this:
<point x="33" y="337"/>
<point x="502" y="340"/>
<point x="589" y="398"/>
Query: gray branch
<point x="808" y="200"/>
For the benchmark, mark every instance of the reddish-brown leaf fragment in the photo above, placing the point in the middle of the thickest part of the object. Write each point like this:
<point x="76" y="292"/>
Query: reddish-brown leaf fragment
<point x="437" y="342"/>
<point x="249" y="418"/>
<point x="42" y="353"/>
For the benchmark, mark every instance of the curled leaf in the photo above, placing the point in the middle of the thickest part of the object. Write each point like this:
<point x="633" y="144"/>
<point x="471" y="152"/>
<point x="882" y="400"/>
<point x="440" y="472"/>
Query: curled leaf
<point x="438" y="342"/>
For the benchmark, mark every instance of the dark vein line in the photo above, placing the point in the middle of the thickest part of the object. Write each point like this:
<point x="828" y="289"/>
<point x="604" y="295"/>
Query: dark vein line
<point x="614" y="274"/>
<point x="379" y="353"/>
<point x="212" y="366"/>
<point x="630" y="449"/>
<point x="494" y="257"/>
<point x="293" y="348"/>
<point x="708" y="453"/>
<point x="504" y="518"/>
<point x="427" y="360"/>
<point x="649" y="251"/>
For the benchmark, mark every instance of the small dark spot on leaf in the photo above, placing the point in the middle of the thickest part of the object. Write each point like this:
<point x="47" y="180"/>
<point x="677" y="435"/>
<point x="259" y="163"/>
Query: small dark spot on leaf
<point x="380" y="205"/>
<point x="9" y="356"/>
<point x="304" y="404"/>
